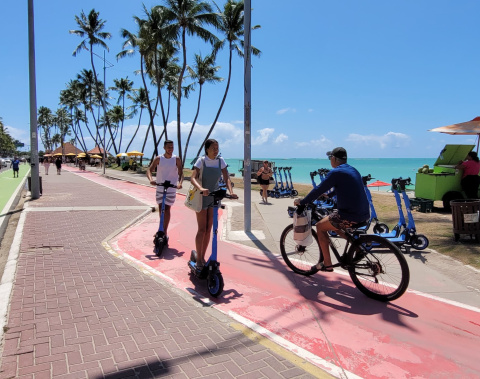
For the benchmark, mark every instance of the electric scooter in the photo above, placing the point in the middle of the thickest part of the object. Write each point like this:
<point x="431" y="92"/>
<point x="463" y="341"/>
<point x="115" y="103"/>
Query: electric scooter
<point x="275" y="188"/>
<point x="161" y="240"/>
<point x="284" y="191"/>
<point x="293" y="191"/>
<point x="409" y="234"/>
<point x="211" y="269"/>
<point x="379" y="227"/>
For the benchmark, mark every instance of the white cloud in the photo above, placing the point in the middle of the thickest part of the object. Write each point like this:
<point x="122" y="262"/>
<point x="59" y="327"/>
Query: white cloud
<point x="19" y="134"/>
<point x="321" y="143"/>
<point x="388" y="140"/>
<point x="264" y="135"/>
<point x="285" y="110"/>
<point x="281" y="138"/>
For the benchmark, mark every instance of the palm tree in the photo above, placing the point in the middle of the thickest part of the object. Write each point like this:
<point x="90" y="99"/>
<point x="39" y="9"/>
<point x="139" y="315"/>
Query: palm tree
<point x="139" y="100"/>
<point x="56" y="139"/>
<point x="45" y="121"/>
<point x="116" y="117"/>
<point x="123" y="86"/>
<point x="91" y="30"/>
<point x="204" y="71"/>
<point x="231" y="25"/>
<point x="63" y="121"/>
<point x="70" y="98"/>
<point x="87" y="97"/>
<point x="143" y="43"/>
<point x="186" y="16"/>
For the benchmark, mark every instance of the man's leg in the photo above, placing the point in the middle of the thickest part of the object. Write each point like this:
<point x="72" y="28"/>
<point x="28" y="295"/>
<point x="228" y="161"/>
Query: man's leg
<point x="323" y="226"/>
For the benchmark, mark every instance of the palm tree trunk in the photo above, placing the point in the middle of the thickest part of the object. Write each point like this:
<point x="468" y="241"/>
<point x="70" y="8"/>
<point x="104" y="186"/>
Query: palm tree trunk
<point x="149" y="107"/>
<point x="138" y="127"/>
<point x="123" y="119"/>
<point x="193" y="125"/>
<point x="179" y="96"/>
<point x="102" y="100"/>
<point x="223" y="102"/>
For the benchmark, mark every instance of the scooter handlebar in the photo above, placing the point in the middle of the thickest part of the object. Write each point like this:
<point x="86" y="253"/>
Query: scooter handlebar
<point x="167" y="184"/>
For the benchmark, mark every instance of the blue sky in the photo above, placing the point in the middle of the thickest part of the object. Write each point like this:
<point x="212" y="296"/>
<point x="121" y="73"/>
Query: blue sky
<point x="372" y="76"/>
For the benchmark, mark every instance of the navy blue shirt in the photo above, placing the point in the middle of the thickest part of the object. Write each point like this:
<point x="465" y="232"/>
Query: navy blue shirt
<point x="352" y="202"/>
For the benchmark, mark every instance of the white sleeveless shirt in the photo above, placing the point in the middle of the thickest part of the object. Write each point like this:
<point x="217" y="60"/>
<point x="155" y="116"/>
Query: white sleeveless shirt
<point x="167" y="170"/>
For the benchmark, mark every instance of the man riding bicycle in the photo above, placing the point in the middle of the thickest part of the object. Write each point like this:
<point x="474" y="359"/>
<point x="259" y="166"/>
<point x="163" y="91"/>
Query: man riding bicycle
<point x="352" y="203"/>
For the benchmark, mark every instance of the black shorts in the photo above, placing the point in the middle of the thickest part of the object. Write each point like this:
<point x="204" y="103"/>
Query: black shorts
<point x="264" y="182"/>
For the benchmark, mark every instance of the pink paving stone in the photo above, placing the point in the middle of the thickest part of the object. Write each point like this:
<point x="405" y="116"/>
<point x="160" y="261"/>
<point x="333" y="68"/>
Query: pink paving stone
<point x="34" y="369"/>
<point x="59" y="368"/>
<point x="43" y="375"/>
<point x="74" y="357"/>
<point x="108" y="366"/>
<point x="25" y="360"/>
<point x="42" y="350"/>
<point x="9" y="370"/>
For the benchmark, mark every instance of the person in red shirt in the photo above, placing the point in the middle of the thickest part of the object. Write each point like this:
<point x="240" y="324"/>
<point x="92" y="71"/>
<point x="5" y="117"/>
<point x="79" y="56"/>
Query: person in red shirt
<point x="470" y="179"/>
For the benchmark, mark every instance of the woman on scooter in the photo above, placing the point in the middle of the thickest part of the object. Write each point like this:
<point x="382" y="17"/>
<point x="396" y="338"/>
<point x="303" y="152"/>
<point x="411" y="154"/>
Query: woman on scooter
<point x="209" y="167"/>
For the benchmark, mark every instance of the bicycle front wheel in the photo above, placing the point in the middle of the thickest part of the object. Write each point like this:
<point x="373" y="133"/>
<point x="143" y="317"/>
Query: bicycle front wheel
<point x="300" y="258"/>
<point x="378" y="268"/>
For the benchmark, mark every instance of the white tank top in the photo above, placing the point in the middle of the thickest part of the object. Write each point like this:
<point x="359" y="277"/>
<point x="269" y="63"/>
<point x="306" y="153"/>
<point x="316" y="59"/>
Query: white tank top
<point x="167" y="170"/>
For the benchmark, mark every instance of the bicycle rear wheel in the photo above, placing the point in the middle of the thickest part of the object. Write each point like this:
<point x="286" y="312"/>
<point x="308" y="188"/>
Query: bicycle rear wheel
<point x="378" y="268"/>
<point x="299" y="258"/>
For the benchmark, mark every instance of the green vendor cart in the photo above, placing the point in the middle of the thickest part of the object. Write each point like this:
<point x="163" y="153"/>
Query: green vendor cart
<point x="443" y="183"/>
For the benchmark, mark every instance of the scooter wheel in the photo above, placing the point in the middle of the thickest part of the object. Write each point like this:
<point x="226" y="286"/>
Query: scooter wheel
<point x="420" y="242"/>
<point x="159" y="243"/>
<point x="294" y="193"/>
<point x="277" y="195"/>
<point x="380" y="228"/>
<point x="215" y="284"/>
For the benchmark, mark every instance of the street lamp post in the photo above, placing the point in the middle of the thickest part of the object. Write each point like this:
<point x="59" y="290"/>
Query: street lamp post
<point x="35" y="180"/>
<point x="247" y="177"/>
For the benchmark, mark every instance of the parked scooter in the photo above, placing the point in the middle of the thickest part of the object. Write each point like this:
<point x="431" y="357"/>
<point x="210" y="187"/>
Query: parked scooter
<point x="161" y="239"/>
<point x="379" y="227"/>
<point x="283" y="191"/>
<point x="293" y="191"/>
<point x="211" y="270"/>
<point x="407" y="234"/>
<point x="276" y="187"/>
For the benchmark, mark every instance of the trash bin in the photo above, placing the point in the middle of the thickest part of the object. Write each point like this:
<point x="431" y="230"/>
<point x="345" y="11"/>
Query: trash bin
<point x="466" y="217"/>
<point x="29" y="179"/>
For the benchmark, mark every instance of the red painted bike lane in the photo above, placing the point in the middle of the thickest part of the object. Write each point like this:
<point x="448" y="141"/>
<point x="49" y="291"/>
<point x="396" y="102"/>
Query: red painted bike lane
<point x="324" y="315"/>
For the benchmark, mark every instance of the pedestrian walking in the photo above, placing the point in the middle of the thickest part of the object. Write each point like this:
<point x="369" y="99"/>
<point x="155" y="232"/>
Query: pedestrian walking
<point x="15" y="165"/>
<point x="58" y="163"/>
<point x="46" y="164"/>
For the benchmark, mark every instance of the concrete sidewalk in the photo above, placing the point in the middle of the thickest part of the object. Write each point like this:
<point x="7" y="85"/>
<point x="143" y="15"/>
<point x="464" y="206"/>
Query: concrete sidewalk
<point x="77" y="311"/>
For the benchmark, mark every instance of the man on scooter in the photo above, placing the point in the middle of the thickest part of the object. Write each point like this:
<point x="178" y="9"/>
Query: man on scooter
<point x="352" y="202"/>
<point x="168" y="167"/>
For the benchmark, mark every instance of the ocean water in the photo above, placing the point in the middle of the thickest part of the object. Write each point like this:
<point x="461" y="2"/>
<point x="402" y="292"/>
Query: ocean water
<point x="384" y="169"/>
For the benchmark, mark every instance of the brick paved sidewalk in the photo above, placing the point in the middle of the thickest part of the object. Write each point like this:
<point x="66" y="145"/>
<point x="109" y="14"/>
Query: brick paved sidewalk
<point x="78" y="312"/>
